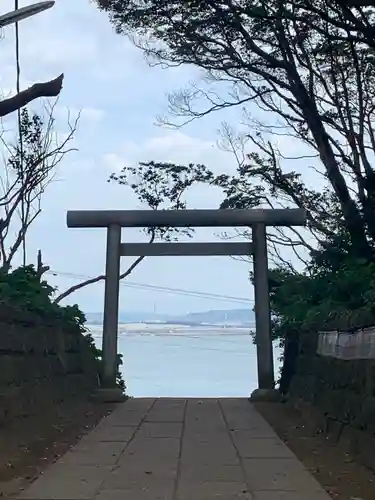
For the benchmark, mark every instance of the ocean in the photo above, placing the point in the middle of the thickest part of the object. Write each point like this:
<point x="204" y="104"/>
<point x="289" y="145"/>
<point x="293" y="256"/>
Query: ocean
<point x="175" y="361"/>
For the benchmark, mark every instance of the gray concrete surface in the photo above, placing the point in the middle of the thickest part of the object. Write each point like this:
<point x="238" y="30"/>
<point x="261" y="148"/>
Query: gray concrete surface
<point x="178" y="449"/>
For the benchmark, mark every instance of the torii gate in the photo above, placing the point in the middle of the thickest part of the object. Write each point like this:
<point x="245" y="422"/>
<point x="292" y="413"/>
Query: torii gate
<point x="257" y="219"/>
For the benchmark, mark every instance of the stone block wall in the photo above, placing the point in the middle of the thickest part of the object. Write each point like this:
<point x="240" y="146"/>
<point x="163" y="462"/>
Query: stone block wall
<point x="41" y="366"/>
<point x="337" y="396"/>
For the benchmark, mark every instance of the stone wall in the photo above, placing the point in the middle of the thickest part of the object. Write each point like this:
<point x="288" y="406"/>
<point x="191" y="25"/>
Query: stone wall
<point x="337" y="396"/>
<point x="41" y="366"/>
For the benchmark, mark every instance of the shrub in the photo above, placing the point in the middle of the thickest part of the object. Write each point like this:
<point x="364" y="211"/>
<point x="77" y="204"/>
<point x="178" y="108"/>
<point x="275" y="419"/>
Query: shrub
<point x="26" y="298"/>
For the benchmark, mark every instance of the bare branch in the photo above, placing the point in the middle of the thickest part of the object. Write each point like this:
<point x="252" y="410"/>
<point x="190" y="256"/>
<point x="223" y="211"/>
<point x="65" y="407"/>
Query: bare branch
<point x="101" y="277"/>
<point x="29" y="168"/>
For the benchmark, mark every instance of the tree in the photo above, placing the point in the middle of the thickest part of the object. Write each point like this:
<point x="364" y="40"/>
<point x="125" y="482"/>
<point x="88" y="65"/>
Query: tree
<point x="260" y="180"/>
<point x="309" y="66"/>
<point x="158" y="189"/>
<point x="29" y="167"/>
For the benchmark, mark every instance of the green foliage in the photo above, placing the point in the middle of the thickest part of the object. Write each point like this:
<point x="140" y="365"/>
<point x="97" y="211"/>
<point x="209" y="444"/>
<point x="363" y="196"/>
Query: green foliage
<point x="339" y="295"/>
<point x="162" y="186"/>
<point x="26" y="158"/>
<point x="98" y="353"/>
<point x="336" y="291"/>
<point x="26" y="297"/>
<point x="23" y="290"/>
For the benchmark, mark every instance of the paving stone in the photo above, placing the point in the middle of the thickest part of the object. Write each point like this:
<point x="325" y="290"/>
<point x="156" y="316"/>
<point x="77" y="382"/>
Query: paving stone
<point x="249" y="447"/>
<point x="201" y="436"/>
<point x="208" y="420"/>
<point x="140" y="464"/>
<point x="145" y="494"/>
<point x="207" y="460"/>
<point x="253" y="432"/>
<point x="211" y="473"/>
<point x="162" y="448"/>
<point x="97" y="454"/>
<point x="137" y="404"/>
<point x="200" y="429"/>
<point x="244" y="423"/>
<point x="203" y="402"/>
<point x="221" y="443"/>
<point x="95" y="446"/>
<point x="252" y="425"/>
<point x="291" y="495"/>
<point x="240" y="414"/>
<point x="284" y="474"/>
<point x="109" y="434"/>
<point x="214" y="491"/>
<point x="196" y="407"/>
<point x="205" y="414"/>
<point x="128" y="414"/>
<point x="238" y="406"/>
<point x="140" y="461"/>
<point x="161" y="481"/>
<point x="208" y="457"/>
<point x="62" y="482"/>
<point x="161" y="430"/>
<point x="123" y="419"/>
<point x="140" y="467"/>
<point x="167" y="410"/>
<point x="205" y="425"/>
<point x="242" y="411"/>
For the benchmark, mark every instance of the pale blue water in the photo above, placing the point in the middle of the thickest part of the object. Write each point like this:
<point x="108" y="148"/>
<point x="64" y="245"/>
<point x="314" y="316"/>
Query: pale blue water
<point x="193" y="363"/>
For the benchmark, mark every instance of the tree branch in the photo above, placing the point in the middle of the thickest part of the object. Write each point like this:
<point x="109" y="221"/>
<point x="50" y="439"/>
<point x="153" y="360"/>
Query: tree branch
<point x="44" y="89"/>
<point x="91" y="281"/>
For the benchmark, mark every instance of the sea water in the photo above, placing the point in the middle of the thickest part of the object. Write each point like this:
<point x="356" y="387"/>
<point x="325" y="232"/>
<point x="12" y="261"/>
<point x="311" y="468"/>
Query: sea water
<point x="173" y="361"/>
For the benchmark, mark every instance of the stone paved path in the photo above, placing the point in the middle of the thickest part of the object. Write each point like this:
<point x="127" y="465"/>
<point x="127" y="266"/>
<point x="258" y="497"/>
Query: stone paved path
<point x="176" y="449"/>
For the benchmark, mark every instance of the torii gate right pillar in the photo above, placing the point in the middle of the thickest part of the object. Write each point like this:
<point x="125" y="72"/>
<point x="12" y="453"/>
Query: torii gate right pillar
<point x="263" y="333"/>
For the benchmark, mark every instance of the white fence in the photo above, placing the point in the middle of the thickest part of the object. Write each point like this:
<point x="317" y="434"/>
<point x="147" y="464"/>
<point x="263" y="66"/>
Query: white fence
<point x="344" y="345"/>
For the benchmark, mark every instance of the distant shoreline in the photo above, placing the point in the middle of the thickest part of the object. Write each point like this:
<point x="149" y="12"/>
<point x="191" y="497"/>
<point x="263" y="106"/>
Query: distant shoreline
<point x="213" y="318"/>
<point x="179" y="323"/>
<point x="163" y="329"/>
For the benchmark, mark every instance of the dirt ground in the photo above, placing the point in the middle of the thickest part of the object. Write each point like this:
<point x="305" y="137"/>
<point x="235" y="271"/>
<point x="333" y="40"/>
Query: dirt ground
<point x="341" y="476"/>
<point x="30" y="444"/>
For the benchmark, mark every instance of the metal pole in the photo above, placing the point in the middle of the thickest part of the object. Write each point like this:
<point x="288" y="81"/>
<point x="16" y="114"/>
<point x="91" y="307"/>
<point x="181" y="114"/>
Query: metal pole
<point x="266" y="377"/>
<point x="111" y="306"/>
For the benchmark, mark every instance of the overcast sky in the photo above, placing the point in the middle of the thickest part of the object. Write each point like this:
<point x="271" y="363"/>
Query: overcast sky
<point x="120" y="98"/>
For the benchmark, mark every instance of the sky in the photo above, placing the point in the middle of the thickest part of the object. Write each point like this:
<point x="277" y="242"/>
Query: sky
<point x="119" y="97"/>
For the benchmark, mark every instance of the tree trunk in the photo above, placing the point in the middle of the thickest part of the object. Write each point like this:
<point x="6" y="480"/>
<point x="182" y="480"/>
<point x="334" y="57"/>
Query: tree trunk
<point x="354" y="222"/>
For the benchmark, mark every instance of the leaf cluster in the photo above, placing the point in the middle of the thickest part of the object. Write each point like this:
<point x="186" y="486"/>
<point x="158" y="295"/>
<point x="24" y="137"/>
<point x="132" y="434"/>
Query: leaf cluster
<point x="23" y="291"/>
<point x="338" y="296"/>
<point x="161" y="186"/>
<point x="98" y="354"/>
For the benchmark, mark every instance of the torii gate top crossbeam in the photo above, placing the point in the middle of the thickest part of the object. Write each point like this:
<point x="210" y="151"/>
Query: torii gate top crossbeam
<point x="186" y="218"/>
